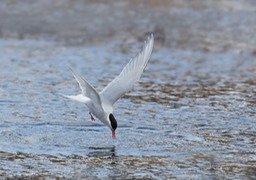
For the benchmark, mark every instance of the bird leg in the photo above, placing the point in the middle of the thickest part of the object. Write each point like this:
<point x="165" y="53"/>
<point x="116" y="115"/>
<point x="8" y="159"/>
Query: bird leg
<point x="92" y="118"/>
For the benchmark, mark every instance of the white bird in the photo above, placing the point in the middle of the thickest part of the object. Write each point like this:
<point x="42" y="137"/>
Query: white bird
<point x="101" y="104"/>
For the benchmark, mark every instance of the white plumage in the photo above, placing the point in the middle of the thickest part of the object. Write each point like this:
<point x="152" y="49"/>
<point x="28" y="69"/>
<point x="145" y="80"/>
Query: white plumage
<point x="101" y="104"/>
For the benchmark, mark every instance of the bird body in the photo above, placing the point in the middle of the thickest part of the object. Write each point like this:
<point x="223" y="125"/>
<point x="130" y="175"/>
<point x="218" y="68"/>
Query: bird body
<point x="101" y="104"/>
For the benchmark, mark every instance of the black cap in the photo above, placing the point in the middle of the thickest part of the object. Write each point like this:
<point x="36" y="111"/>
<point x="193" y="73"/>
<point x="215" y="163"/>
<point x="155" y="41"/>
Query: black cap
<point x="113" y="121"/>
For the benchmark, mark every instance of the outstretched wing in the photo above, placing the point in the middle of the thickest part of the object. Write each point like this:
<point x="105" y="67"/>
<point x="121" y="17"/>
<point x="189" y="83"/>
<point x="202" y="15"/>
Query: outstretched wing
<point x="87" y="90"/>
<point x="129" y="75"/>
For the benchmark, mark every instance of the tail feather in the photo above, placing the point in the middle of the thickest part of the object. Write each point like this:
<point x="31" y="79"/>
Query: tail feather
<point x="79" y="98"/>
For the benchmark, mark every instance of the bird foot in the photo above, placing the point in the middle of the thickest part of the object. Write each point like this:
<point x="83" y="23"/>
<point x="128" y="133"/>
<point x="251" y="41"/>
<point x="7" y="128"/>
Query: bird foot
<point x="92" y="118"/>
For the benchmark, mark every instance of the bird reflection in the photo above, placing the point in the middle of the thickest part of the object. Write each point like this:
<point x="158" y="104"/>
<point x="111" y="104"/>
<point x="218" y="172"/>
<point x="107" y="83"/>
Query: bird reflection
<point x="102" y="151"/>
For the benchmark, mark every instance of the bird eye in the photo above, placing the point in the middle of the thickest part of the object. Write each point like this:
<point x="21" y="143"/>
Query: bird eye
<point x="113" y="121"/>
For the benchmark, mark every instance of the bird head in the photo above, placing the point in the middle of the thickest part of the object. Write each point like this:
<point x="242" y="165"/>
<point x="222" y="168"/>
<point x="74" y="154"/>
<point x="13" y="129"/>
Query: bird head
<point x="112" y="124"/>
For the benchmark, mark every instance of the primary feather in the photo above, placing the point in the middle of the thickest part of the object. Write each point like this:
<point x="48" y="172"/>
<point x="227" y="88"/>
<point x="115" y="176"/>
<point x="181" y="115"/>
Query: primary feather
<point x="130" y="74"/>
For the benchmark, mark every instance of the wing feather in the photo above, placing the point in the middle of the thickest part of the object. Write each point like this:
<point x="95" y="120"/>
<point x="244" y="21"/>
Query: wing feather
<point x="130" y="74"/>
<point x="87" y="90"/>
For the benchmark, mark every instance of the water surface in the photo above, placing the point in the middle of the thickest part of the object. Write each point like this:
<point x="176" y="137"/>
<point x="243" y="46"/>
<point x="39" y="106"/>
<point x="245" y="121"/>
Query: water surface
<point x="192" y="114"/>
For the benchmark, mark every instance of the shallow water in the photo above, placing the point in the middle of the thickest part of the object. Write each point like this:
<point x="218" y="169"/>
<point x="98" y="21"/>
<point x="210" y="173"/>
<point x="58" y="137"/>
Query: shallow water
<point x="191" y="116"/>
<point x="176" y="123"/>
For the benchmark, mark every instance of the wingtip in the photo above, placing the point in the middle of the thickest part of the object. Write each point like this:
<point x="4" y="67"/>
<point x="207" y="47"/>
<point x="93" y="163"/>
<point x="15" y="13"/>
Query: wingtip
<point x="73" y="72"/>
<point x="149" y="39"/>
<point x="69" y="67"/>
<point x="152" y="36"/>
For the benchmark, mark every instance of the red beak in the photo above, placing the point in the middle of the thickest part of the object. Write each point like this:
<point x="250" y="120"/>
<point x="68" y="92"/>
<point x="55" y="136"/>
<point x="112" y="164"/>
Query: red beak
<point x="113" y="134"/>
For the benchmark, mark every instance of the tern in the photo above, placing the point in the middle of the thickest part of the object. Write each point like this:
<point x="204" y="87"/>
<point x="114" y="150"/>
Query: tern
<point x="101" y="104"/>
